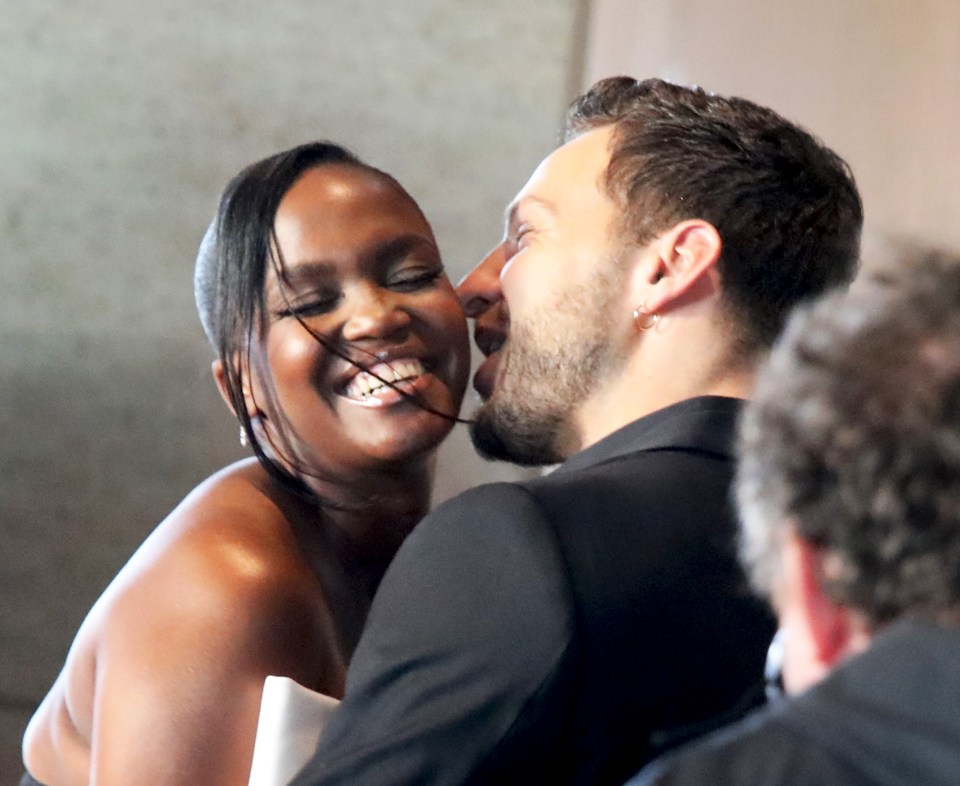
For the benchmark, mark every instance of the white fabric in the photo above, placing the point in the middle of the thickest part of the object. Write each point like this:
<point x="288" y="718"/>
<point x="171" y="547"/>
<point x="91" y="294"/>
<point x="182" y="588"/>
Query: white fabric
<point x="291" y="718"/>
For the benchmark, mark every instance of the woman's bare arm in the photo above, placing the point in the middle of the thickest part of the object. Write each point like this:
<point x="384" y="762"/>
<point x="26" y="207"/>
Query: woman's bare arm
<point x="181" y="660"/>
<point x="163" y="681"/>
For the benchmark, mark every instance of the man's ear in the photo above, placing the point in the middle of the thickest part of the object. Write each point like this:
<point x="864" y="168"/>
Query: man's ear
<point x="829" y="625"/>
<point x="680" y="262"/>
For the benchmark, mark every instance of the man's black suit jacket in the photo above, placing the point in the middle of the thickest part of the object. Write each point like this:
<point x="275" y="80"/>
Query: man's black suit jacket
<point x="889" y="716"/>
<point x="560" y="630"/>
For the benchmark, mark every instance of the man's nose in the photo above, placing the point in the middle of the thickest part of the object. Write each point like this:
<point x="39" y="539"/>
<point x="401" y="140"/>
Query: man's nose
<point x="480" y="288"/>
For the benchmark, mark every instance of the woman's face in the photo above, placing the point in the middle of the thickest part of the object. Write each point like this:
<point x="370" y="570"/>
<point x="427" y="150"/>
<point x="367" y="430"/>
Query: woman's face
<point x="361" y="268"/>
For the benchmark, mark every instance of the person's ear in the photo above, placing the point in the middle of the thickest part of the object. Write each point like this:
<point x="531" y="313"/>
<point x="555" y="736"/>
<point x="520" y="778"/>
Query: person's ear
<point x="680" y="263"/>
<point x="220" y="377"/>
<point x="829" y="625"/>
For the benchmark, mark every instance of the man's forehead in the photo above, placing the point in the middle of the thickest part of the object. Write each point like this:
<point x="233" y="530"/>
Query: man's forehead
<point x="580" y="162"/>
<point x="521" y="201"/>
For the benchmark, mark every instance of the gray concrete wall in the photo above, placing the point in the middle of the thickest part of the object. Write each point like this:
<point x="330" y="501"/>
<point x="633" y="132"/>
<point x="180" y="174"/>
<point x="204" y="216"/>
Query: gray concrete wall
<point x="120" y="122"/>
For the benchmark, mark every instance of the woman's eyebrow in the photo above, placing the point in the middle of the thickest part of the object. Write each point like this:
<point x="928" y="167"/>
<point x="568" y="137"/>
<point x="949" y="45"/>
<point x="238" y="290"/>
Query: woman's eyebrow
<point x="381" y="253"/>
<point x="401" y="246"/>
<point x="306" y="271"/>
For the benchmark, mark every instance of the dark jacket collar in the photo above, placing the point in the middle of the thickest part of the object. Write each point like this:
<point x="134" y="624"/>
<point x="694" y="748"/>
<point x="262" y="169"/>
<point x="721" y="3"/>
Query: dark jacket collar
<point x="706" y="424"/>
<point x="905" y="660"/>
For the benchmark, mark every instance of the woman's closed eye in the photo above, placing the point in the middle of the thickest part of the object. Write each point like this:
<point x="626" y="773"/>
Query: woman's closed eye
<point x="414" y="277"/>
<point x="310" y="306"/>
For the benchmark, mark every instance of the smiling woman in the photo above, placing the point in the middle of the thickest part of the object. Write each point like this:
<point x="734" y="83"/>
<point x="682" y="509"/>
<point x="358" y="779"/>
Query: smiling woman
<point x="342" y="350"/>
<point x="355" y="310"/>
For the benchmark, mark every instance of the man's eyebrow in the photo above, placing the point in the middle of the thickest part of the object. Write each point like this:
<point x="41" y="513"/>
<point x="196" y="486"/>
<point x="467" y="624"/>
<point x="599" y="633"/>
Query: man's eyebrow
<point x="510" y="214"/>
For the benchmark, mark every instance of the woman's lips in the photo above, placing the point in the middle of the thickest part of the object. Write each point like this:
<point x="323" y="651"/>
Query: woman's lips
<point x="370" y="389"/>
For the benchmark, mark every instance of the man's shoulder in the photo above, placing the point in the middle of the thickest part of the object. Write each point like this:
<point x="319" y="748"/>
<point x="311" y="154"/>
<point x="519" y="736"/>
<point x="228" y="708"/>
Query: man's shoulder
<point x="497" y="508"/>
<point x="734" y="755"/>
<point x="484" y="519"/>
<point x="488" y="503"/>
<point x="642" y="494"/>
<point x="766" y="747"/>
<point x="640" y="485"/>
<point x="662" y="463"/>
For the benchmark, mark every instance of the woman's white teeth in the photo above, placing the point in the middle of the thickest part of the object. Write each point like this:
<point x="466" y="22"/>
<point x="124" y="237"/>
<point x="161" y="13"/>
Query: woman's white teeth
<point x="373" y="381"/>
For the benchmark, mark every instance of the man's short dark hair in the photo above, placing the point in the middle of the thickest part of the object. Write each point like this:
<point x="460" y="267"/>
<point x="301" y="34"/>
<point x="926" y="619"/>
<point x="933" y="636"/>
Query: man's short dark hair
<point x="853" y="440"/>
<point x="786" y="207"/>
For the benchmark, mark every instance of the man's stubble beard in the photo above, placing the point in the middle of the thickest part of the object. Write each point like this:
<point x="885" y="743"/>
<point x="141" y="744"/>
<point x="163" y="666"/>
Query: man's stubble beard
<point x="550" y="366"/>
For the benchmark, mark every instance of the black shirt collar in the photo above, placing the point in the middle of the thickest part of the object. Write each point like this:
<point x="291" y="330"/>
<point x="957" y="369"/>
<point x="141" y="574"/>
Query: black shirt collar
<point x="705" y="423"/>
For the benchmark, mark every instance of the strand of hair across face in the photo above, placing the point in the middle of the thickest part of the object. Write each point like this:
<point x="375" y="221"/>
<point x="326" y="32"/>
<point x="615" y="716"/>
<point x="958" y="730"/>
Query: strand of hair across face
<point x="334" y="348"/>
<point x="291" y="480"/>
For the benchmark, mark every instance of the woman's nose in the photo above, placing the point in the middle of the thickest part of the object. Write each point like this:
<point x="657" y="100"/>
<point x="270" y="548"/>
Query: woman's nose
<point x="480" y="288"/>
<point x="375" y="314"/>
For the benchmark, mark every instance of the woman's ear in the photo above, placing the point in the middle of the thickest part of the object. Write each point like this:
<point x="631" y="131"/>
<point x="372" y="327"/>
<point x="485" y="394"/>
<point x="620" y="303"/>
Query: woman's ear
<point x="681" y="261"/>
<point x="220" y="377"/>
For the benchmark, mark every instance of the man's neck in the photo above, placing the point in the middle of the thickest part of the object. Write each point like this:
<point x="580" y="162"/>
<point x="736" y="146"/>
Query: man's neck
<point x="636" y="394"/>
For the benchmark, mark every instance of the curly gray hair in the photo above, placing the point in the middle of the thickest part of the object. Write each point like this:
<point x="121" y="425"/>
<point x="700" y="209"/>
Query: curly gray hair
<point x="853" y="440"/>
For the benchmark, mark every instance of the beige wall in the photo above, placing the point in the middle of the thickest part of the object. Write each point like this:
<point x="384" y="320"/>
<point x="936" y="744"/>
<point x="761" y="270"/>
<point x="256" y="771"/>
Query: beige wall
<point x="121" y="121"/>
<point x="877" y="80"/>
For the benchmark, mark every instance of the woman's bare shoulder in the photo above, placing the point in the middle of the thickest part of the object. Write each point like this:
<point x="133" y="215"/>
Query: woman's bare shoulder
<point x="224" y="566"/>
<point x="241" y="494"/>
<point x="218" y="590"/>
<point x="228" y="540"/>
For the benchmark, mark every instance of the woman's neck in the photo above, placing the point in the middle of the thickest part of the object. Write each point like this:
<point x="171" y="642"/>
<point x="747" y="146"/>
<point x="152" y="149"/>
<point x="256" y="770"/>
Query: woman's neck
<point x="348" y="535"/>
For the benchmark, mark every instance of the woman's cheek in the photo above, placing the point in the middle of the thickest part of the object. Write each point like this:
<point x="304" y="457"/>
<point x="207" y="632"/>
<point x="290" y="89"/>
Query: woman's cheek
<point x="295" y="356"/>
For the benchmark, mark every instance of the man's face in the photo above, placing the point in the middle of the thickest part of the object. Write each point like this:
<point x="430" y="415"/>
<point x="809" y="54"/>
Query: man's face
<point x="815" y="631"/>
<point x="545" y="321"/>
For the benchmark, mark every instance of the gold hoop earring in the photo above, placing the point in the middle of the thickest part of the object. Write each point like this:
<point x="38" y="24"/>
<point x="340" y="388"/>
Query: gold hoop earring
<point x="651" y="319"/>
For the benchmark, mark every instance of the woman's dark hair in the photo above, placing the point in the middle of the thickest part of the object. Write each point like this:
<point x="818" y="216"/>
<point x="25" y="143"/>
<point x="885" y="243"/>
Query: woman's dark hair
<point x="231" y="270"/>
